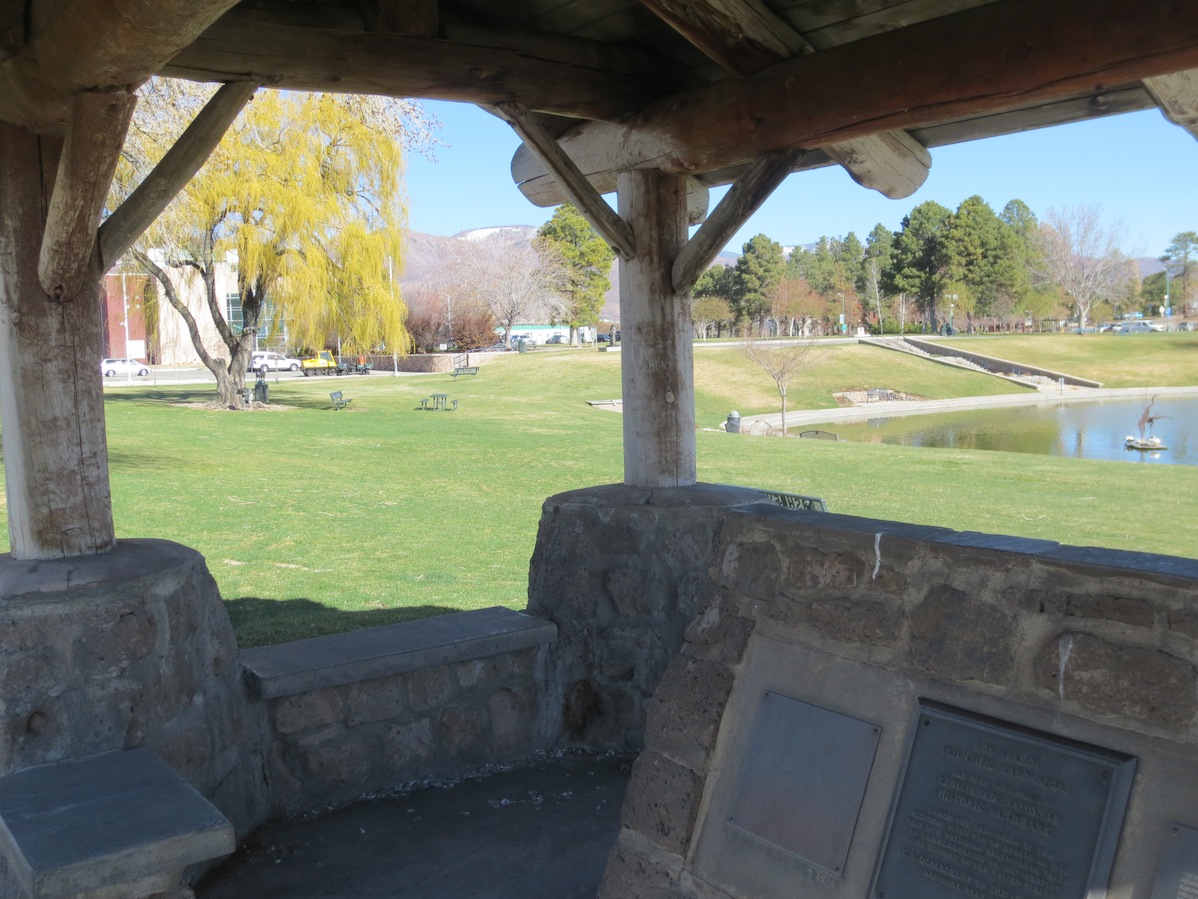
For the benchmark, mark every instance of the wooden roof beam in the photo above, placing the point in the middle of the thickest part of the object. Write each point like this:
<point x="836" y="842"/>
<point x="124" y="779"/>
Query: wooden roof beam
<point x="585" y="198"/>
<point x="745" y="37"/>
<point x="94" y="137"/>
<point x="745" y="197"/>
<point x="1002" y="56"/>
<point x="418" y="18"/>
<point x="570" y="77"/>
<point x="121" y="229"/>
<point x="95" y="44"/>
<point x="1177" y="97"/>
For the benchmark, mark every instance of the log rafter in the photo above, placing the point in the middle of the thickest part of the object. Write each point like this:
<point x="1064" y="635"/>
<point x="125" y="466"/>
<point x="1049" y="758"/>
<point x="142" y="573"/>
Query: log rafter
<point x="1003" y="56"/>
<point x="94" y="137"/>
<point x="594" y="209"/>
<point x="121" y="229"/>
<point x="1177" y="97"/>
<point x="570" y="77"/>
<point x="96" y="44"/>
<point x="745" y="37"/>
<point x="745" y="197"/>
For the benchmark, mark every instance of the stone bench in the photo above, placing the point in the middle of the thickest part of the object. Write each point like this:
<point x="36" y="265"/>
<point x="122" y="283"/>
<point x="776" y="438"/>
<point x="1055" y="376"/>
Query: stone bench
<point x="116" y="824"/>
<point x="285" y="669"/>
<point x="371" y="709"/>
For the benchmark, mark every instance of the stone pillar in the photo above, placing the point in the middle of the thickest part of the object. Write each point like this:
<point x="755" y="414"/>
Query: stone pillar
<point x="51" y="393"/>
<point x="657" y="353"/>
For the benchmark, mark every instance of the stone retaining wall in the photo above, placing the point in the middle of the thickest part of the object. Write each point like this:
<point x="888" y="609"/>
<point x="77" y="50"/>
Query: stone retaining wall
<point x="129" y="649"/>
<point x="621" y="571"/>
<point x="1098" y="645"/>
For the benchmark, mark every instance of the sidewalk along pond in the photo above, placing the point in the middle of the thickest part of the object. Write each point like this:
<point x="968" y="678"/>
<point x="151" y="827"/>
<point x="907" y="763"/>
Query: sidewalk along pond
<point x="1080" y="430"/>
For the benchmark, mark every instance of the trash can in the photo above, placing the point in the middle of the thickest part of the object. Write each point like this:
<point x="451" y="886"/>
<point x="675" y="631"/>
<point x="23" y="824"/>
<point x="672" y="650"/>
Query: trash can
<point x="261" y="390"/>
<point x="522" y="345"/>
<point x="732" y="425"/>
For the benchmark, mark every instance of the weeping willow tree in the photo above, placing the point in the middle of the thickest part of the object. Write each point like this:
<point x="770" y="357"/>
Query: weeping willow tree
<point x="303" y="196"/>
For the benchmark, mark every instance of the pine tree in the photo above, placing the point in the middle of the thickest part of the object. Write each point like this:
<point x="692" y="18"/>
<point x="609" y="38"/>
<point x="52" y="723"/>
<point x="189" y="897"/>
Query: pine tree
<point x="920" y="258"/>
<point x="585" y="261"/>
<point x="757" y="272"/>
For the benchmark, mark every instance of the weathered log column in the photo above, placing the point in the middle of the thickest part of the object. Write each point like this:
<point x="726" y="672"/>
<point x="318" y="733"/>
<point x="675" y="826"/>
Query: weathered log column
<point x="657" y="360"/>
<point x="51" y="395"/>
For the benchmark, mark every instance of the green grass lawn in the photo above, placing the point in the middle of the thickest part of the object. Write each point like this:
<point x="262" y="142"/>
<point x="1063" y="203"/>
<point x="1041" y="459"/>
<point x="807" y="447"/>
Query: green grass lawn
<point x="314" y="521"/>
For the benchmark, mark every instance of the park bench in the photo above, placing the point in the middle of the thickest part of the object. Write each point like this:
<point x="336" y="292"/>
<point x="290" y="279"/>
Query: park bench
<point x="116" y="824"/>
<point x="339" y="401"/>
<point x="465" y="370"/>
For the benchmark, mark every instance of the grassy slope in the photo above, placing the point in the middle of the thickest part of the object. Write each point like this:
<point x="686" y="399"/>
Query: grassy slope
<point x="1131" y="360"/>
<point x="382" y="512"/>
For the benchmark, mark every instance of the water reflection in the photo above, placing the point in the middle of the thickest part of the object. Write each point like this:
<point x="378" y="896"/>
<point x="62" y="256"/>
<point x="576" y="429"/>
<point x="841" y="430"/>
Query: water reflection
<point x="1082" y="430"/>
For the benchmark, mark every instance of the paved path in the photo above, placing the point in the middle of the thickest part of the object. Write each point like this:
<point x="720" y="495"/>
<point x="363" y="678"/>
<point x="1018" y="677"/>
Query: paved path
<point x="541" y="832"/>
<point x="889" y="409"/>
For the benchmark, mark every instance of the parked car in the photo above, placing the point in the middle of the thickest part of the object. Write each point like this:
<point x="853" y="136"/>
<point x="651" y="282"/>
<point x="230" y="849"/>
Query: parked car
<point x="110" y="368"/>
<point x="1135" y="327"/>
<point x="1188" y="326"/>
<point x="603" y="338"/>
<point x="273" y="361"/>
<point x="1157" y="326"/>
<point x="528" y="339"/>
<point x="556" y="338"/>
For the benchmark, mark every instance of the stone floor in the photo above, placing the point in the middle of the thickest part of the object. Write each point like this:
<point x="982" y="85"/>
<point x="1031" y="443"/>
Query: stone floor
<point x="537" y="832"/>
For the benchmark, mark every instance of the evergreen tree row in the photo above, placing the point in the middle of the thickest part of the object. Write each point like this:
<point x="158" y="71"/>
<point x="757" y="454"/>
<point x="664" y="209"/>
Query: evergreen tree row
<point x="970" y="269"/>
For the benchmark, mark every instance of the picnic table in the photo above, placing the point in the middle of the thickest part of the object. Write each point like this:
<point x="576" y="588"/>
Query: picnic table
<point x="438" y="402"/>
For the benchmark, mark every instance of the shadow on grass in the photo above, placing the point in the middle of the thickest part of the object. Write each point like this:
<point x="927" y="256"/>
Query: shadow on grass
<point x="264" y="622"/>
<point x="206" y="393"/>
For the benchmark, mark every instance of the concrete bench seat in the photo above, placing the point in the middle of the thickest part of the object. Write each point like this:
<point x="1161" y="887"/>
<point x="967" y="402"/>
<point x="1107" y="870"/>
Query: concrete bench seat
<point x="119" y="824"/>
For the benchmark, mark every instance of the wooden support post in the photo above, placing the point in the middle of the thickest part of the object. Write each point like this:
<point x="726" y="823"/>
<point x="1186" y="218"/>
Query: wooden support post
<point x="51" y="395"/>
<point x="657" y="354"/>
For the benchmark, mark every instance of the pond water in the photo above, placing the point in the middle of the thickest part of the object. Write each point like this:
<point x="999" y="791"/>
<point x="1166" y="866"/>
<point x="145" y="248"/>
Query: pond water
<point x="1092" y="430"/>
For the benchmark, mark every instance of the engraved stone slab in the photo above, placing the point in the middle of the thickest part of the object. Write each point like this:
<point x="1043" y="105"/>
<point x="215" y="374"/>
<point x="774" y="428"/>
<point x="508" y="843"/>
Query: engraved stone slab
<point x="1177" y="870"/>
<point x="803" y="779"/>
<point x="989" y="810"/>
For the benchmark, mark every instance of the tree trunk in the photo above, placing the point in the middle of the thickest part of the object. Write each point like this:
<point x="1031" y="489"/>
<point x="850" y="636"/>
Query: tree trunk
<point x="51" y="391"/>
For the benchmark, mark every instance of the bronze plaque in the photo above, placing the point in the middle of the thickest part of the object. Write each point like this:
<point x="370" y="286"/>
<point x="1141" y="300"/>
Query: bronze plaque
<point x="991" y="810"/>
<point x="803" y="779"/>
<point x="1177" y="870"/>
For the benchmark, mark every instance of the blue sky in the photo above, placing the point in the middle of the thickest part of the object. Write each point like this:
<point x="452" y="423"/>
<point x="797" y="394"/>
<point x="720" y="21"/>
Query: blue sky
<point x="1138" y="168"/>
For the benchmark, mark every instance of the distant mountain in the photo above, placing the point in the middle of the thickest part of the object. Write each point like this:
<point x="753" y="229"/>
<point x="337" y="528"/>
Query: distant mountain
<point x="1149" y="265"/>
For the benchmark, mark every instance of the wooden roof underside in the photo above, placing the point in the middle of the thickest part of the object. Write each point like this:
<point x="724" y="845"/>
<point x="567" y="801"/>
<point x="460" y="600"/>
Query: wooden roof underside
<point x="697" y="87"/>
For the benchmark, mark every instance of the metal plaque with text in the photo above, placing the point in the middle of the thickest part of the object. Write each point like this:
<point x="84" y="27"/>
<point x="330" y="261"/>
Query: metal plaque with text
<point x="1177" y="870"/>
<point x="803" y="779"/>
<point x="991" y="810"/>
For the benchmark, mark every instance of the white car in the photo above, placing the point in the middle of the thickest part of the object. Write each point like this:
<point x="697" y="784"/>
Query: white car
<point x="110" y="368"/>
<point x="273" y="361"/>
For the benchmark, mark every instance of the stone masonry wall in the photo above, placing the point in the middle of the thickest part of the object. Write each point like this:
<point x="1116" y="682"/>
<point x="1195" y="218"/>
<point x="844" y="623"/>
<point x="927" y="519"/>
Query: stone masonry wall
<point x="621" y="571"/>
<point x="336" y="743"/>
<point x="1103" y="636"/>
